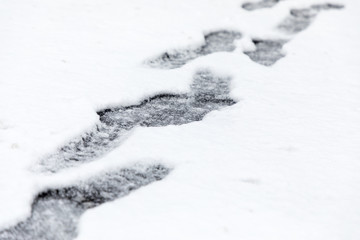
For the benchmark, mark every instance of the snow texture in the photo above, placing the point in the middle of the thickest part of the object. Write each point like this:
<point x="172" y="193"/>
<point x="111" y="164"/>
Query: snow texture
<point x="208" y="93"/>
<point x="56" y="212"/>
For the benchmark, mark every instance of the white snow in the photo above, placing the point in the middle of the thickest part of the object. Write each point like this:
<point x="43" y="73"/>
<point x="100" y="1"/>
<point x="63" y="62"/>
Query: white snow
<point x="283" y="163"/>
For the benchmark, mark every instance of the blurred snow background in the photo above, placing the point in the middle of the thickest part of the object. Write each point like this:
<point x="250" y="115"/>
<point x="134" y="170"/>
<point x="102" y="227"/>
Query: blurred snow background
<point x="283" y="163"/>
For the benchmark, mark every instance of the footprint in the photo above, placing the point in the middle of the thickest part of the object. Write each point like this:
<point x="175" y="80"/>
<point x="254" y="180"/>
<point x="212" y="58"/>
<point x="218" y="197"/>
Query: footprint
<point x="56" y="212"/>
<point x="208" y="93"/>
<point x="269" y="51"/>
<point x="251" y="6"/>
<point x="301" y="18"/>
<point x="220" y="41"/>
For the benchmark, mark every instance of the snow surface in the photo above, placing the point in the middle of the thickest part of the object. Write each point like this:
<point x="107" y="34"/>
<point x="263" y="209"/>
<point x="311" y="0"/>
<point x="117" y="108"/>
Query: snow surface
<point x="283" y="163"/>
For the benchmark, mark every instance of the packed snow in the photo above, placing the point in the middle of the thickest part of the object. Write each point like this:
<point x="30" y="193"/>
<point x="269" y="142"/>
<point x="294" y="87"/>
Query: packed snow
<point x="281" y="162"/>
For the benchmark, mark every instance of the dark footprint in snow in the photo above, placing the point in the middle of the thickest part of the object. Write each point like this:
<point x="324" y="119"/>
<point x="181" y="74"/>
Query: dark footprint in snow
<point x="250" y="6"/>
<point x="269" y="51"/>
<point x="56" y="212"/>
<point x="220" y="41"/>
<point x="300" y="19"/>
<point x="208" y="93"/>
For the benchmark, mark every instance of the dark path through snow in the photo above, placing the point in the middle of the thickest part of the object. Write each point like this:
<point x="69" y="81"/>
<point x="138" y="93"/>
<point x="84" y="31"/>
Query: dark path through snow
<point x="56" y="212"/>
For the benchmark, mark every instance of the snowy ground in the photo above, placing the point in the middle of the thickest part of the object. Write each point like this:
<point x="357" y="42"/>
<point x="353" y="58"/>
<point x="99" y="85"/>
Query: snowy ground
<point x="277" y="159"/>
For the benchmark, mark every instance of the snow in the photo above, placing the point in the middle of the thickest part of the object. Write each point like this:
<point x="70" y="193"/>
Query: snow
<point x="282" y="163"/>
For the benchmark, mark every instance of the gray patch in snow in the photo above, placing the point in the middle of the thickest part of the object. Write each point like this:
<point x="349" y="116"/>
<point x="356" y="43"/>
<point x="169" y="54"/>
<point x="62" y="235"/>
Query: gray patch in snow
<point x="220" y="41"/>
<point x="56" y="212"/>
<point x="250" y="6"/>
<point x="267" y="52"/>
<point x="208" y="93"/>
<point x="300" y="19"/>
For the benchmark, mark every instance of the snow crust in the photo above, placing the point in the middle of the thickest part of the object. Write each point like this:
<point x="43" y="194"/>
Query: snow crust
<point x="283" y="163"/>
